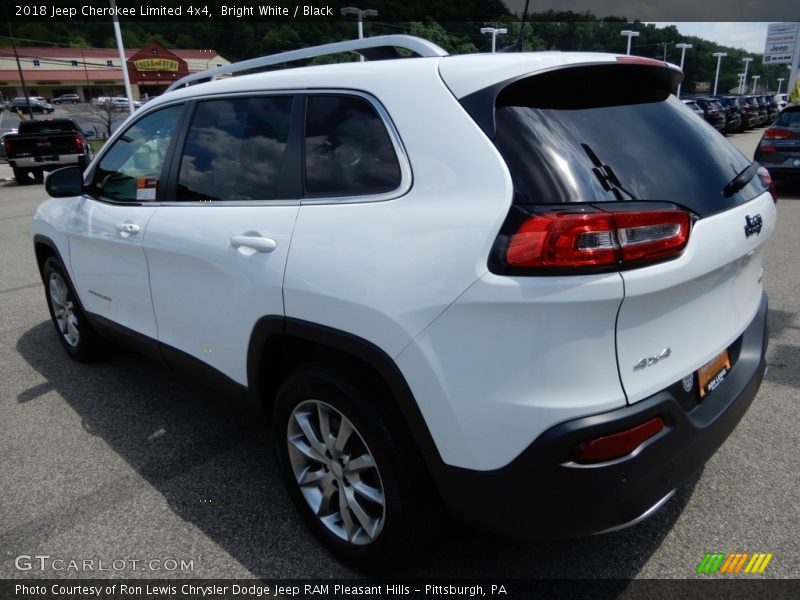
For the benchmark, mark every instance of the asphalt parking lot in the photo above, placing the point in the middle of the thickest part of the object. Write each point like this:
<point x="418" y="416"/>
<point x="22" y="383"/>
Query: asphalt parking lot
<point x="123" y="460"/>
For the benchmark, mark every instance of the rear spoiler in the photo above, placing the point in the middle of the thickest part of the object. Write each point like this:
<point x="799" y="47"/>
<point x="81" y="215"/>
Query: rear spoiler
<point x="629" y="80"/>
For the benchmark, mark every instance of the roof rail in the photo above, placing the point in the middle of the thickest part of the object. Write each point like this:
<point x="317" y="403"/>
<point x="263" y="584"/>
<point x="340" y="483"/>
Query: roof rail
<point x="375" y="48"/>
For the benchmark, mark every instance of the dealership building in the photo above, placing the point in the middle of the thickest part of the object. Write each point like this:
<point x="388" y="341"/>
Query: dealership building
<point x="93" y="72"/>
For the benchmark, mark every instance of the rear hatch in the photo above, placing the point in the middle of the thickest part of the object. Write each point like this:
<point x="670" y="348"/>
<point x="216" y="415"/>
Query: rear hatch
<point x="610" y="139"/>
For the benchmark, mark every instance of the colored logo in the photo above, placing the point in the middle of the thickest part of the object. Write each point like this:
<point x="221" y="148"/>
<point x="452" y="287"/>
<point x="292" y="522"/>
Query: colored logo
<point x="734" y="563"/>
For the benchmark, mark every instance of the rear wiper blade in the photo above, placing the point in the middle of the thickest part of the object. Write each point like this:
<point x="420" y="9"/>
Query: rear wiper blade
<point x="605" y="175"/>
<point x="741" y="180"/>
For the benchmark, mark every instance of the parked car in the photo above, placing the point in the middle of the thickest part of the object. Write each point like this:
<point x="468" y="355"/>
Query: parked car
<point x="100" y="100"/>
<point x="713" y="113"/>
<point x="496" y="283"/>
<point x="772" y="108"/>
<point x="21" y="105"/>
<point x="67" y="99"/>
<point x="781" y="100"/>
<point x="3" y="134"/>
<point x="121" y="103"/>
<point x="42" y="145"/>
<point x="779" y="148"/>
<point x="695" y="108"/>
<point x="759" y="108"/>
<point x="733" y="113"/>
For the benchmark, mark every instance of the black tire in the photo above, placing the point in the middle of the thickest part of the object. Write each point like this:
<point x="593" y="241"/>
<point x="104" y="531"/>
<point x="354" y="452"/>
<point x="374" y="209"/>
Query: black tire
<point x="21" y="176"/>
<point x="38" y="175"/>
<point x="69" y="318"/>
<point x="406" y="518"/>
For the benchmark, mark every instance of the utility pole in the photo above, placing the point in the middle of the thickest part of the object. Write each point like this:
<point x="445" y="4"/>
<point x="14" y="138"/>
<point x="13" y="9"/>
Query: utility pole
<point x="118" y="35"/>
<point x="21" y="76"/>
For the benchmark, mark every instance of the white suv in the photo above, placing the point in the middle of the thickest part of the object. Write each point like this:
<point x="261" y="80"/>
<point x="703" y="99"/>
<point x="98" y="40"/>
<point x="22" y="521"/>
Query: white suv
<point x="525" y="287"/>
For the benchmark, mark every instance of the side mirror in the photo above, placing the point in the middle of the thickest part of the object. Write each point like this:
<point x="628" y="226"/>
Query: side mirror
<point x="90" y="134"/>
<point x="65" y="182"/>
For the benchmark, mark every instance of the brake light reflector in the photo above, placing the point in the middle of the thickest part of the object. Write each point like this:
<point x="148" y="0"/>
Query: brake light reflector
<point x="563" y="239"/>
<point x="777" y="134"/>
<point x="78" y="142"/>
<point x="766" y="181"/>
<point x="616" y="445"/>
<point x="597" y="239"/>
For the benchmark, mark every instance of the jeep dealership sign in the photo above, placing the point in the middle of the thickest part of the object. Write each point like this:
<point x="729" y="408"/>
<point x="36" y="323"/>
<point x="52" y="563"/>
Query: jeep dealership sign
<point x="781" y="41"/>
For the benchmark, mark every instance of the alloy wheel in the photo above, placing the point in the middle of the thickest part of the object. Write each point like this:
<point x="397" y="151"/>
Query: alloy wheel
<point x="64" y="310"/>
<point x="336" y="472"/>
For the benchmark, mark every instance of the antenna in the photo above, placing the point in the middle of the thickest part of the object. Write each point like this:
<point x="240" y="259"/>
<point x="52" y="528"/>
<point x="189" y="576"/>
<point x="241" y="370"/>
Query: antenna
<point x="517" y="47"/>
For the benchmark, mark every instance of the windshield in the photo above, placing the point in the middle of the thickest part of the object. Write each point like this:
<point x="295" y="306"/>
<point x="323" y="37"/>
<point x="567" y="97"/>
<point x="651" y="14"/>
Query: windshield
<point x="659" y="151"/>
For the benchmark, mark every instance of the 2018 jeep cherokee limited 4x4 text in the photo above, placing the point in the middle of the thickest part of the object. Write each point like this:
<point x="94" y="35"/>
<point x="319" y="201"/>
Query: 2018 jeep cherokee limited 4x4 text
<point x="448" y="281"/>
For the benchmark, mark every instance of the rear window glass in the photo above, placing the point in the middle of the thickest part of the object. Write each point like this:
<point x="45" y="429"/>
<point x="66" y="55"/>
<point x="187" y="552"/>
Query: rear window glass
<point x="47" y="127"/>
<point x="658" y="151"/>
<point x="789" y="118"/>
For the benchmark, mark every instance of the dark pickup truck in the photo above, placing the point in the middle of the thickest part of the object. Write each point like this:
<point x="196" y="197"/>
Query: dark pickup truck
<point x="45" y="145"/>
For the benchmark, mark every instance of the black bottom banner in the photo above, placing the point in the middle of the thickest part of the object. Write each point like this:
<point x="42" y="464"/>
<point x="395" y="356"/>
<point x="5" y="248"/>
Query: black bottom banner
<point x="307" y="589"/>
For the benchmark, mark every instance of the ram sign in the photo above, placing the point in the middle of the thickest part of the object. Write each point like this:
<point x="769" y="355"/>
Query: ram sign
<point x="781" y="40"/>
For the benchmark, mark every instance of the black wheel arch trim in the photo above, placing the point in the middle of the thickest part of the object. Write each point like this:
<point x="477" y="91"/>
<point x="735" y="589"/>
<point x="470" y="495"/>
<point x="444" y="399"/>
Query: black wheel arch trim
<point x="359" y="348"/>
<point x="39" y="239"/>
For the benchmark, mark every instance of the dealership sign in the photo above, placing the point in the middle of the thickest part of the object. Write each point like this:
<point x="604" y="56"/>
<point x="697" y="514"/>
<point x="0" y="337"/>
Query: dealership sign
<point x="156" y="64"/>
<point x="781" y="40"/>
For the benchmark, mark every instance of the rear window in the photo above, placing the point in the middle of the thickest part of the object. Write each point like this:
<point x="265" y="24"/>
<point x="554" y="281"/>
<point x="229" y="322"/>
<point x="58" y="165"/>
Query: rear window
<point x="789" y="118"/>
<point x="47" y="127"/>
<point x="656" y="151"/>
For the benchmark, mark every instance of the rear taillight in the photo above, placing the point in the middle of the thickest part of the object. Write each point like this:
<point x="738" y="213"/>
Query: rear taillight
<point x="766" y="181"/>
<point x="7" y="145"/>
<point x="79" y="142"/>
<point x="560" y="239"/>
<point x="616" y="445"/>
<point x="777" y="134"/>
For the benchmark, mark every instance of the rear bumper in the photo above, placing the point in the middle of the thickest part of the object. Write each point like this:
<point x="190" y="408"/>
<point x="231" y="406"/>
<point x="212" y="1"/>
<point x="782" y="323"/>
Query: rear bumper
<point x="63" y="160"/>
<point x="544" y="494"/>
<point x="780" y="164"/>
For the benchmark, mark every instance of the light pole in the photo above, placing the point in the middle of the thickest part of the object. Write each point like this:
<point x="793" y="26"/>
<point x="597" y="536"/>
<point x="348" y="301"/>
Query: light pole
<point x="755" y="82"/>
<point x="780" y="82"/>
<point x="125" y="77"/>
<point x="747" y="60"/>
<point x="360" y="15"/>
<point x="495" y="32"/>
<point x="719" y="56"/>
<point x="683" y="48"/>
<point x="630" y="34"/>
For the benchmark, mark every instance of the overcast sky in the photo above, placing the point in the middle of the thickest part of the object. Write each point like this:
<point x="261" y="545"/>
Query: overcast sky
<point x="749" y="36"/>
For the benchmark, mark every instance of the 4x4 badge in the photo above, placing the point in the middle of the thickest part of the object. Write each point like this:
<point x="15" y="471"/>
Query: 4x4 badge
<point x="752" y="225"/>
<point x="649" y="361"/>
